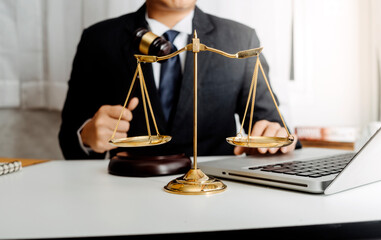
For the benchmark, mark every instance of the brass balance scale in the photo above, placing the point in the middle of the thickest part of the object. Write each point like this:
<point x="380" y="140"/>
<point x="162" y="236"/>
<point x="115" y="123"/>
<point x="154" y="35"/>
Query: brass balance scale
<point x="195" y="182"/>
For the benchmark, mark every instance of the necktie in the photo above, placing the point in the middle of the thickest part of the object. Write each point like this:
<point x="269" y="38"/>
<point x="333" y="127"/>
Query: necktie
<point x="170" y="78"/>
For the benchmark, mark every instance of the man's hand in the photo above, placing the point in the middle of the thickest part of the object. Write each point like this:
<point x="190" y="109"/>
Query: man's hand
<point x="267" y="129"/>
<point x="97" y="132"/>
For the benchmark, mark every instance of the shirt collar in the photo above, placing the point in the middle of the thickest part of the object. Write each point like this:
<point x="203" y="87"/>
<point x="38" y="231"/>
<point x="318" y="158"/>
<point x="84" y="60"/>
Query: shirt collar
<point x="184" y="26"/>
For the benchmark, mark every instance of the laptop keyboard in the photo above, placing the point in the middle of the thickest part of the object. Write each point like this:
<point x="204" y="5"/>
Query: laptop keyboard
<point x="313" y="168"/>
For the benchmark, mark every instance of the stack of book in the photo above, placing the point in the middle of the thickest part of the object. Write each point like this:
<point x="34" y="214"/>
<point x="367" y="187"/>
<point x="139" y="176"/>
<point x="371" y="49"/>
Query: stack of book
<point x="328" y="137"/>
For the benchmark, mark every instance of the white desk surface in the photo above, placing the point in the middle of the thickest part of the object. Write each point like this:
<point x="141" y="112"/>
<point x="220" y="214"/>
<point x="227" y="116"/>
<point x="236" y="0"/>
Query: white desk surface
<point x="80" y="199"/>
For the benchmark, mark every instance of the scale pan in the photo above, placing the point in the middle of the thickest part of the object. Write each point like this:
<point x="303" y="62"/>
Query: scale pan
<point x="140" y="141"/>
<point x="260" y="141"/>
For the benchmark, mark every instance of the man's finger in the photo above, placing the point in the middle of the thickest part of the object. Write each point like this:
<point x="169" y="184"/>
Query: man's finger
<point x="272" y="130"/>
<point x="123" y="126"/>
<point x="116" y="110"/>
<point x="120" y="135"/>
<point x="133" y="103"/>
<point x="259" y="128"/>
<point x="281" y="132"/>
<point x="127" y="113"/>
<point x="112" y="111"/>
<point x="268" y="129"/>
<point x="290" y="147"/>
<point x="238" y="150"/>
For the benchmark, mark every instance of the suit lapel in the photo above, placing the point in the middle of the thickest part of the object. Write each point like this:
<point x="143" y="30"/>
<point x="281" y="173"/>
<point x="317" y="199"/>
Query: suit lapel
<point x="184" y="111"/>
<point x="136" y="21"/>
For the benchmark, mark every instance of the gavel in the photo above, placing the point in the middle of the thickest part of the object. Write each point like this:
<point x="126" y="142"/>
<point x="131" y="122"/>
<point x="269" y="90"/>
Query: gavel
<point x="149" y="43"/>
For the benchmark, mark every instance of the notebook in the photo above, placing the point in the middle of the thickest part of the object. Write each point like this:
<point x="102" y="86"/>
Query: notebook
<point x="314" y="170"/>
<point x="10" y="165"/>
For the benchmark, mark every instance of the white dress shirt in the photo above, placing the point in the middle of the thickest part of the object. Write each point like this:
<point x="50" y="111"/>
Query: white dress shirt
<point x="184" y="27"/>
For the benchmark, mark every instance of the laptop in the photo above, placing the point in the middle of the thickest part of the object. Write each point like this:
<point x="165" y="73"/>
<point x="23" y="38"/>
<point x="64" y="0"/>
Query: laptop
<point x="313" y="170"/>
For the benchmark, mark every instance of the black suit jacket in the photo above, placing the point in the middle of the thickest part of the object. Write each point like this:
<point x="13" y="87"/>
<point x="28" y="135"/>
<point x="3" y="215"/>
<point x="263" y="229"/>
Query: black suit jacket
<point x="104" y="66"/>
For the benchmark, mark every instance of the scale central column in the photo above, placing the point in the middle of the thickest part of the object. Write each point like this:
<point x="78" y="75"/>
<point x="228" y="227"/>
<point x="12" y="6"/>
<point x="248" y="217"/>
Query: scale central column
<point x="196" y="49"/>
<point x="195" y="182"/>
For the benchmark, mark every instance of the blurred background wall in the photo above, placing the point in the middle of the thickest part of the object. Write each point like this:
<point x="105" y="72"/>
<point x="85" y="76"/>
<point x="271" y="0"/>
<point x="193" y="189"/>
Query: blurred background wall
<point x="324" y="58"/>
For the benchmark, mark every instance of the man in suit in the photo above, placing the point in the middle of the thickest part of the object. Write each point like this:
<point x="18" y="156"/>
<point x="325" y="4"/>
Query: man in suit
<point x="104" y="66"/>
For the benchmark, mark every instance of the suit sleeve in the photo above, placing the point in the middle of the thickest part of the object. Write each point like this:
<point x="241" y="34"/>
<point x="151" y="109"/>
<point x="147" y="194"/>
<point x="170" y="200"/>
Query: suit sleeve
<point x="79" y="106"/>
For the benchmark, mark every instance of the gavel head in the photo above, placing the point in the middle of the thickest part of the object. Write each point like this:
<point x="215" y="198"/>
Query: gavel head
<point x="149" y="43"/>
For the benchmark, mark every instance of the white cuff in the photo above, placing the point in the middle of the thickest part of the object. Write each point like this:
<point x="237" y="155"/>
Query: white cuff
<point x="87" y="150"/>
